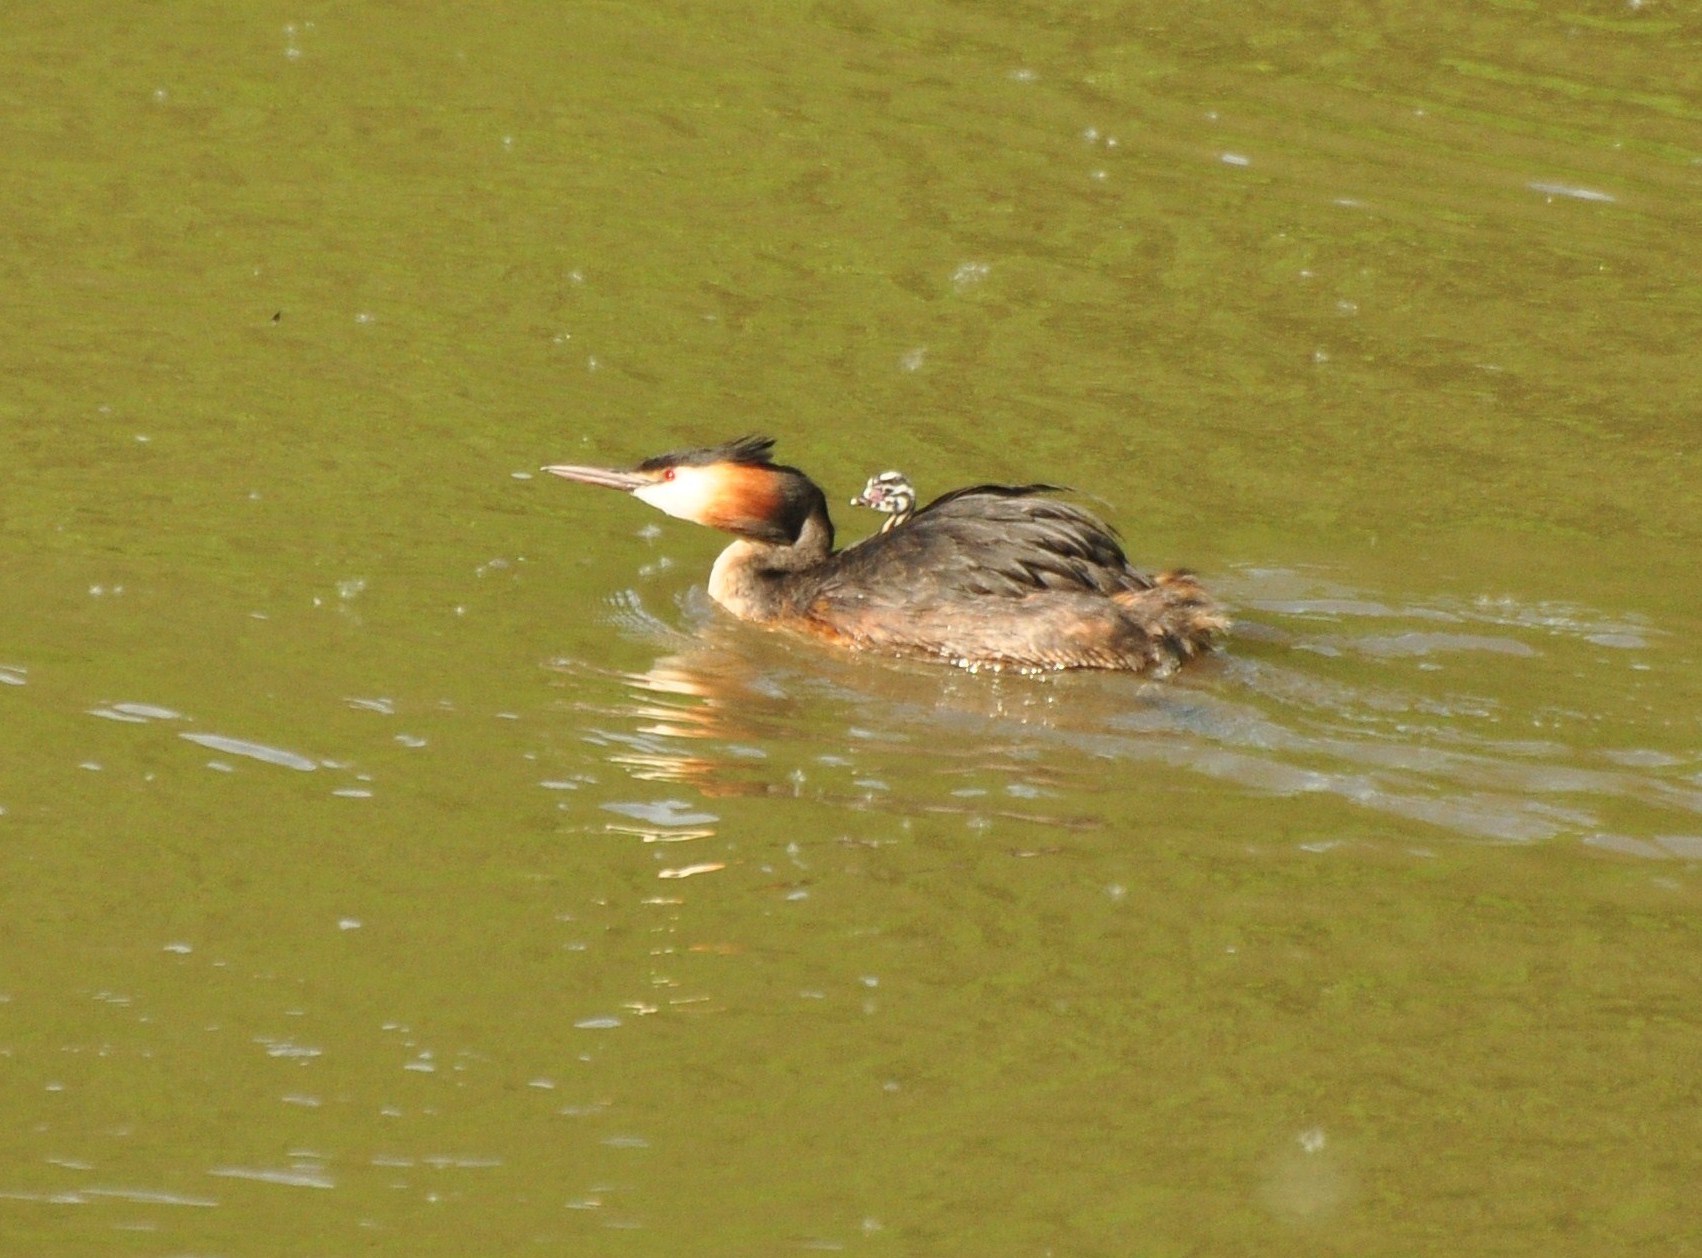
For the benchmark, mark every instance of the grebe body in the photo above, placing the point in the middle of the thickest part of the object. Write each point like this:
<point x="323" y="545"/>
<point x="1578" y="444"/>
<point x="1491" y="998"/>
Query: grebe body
<point x="989" y="577"/>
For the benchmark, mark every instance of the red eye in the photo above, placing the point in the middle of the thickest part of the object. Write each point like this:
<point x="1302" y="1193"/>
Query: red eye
<point x="668" y="474"/>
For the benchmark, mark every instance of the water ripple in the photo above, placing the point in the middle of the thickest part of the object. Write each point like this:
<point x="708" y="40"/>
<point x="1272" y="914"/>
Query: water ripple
<point x="292" y="1177"/>
<point x="1327" y="690"/>
<point x="254" y="751"/>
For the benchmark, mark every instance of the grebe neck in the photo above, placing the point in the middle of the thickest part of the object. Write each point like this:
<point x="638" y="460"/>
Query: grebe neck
<point x="757" y="580"/>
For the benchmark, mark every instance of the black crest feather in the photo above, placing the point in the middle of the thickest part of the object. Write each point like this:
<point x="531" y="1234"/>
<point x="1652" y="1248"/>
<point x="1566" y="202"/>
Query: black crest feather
<point x="752" y="450"/>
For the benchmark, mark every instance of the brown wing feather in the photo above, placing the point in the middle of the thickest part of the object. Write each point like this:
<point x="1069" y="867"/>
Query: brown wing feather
<point x="1002" y="541"/>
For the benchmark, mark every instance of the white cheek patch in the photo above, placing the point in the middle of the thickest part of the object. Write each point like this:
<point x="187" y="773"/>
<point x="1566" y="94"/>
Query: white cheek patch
<point x="687" y="497"/>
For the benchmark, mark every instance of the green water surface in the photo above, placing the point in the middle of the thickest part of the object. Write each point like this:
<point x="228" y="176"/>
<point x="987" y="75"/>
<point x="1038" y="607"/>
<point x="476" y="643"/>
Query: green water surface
<point x="400" y="856"/>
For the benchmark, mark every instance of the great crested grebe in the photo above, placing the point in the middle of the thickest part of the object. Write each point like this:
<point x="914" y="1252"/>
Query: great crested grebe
<point x="892" y="493"/>
<point x="989" y="577"/>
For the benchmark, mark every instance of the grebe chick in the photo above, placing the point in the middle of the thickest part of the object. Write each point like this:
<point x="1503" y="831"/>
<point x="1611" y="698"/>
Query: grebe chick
<point x="988" y="577"/>
<point x="892" y="493"/>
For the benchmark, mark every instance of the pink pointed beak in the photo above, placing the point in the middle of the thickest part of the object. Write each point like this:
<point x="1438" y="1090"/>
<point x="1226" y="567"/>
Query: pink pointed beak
<point x="608" y="477"/>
